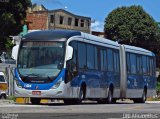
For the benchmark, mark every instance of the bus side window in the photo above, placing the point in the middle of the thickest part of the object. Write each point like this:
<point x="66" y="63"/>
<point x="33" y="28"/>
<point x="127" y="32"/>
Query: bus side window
<point x="102" y="60"/>
<point x="90" y="56"/>
<point x="82" y="56"/>
<point x="96" y="57"/>
<point x="144" y="62"/>
<point x="116" y="61"/>
<point x="73" y="61"/>
<point x="133" y="63"/>
<point x="128" y="63"/>
<point x="151" y="66"/>
<point x="110" y="59"/>
<point x="139" y="64"/>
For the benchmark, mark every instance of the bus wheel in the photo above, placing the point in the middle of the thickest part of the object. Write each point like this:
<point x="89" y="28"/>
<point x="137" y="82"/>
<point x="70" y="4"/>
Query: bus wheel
<point x="81" y="95"/>
<point x="101" y="101"/>
<point x="35" y="101"/>
<point x="3" y="96"/>
<point x="141" y="100"/>
<point x="68" y="101"/>
<point x="114" y="100"/>
<point x="144" y="96"/>
<point x="110" y="96"/>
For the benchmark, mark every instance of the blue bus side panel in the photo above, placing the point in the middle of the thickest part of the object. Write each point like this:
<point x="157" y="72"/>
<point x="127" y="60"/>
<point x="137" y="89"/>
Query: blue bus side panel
<point x="96" y="79"/>
<point x="139" y="81"/>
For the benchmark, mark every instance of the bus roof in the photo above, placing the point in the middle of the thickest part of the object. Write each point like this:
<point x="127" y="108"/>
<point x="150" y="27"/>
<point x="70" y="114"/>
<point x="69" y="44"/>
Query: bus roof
<point x="53" y="35"/>
<point x="99" y="39"/>
<point x="138" y="50"/>
<point x="50" y="35"/>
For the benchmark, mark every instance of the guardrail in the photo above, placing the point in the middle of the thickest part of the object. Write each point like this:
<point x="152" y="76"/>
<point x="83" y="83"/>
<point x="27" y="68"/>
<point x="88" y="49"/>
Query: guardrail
<point x="8" y="70"/>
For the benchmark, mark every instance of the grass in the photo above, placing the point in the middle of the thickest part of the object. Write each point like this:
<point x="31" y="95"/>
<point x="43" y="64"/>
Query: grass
<point x="158" y="94"/>
<point x="11" y="98"/>
<point x="158" y="86"/>
<point x="153" y="99"/>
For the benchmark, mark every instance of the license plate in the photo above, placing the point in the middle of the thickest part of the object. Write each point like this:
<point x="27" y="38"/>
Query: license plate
<point x="36" y="92"/>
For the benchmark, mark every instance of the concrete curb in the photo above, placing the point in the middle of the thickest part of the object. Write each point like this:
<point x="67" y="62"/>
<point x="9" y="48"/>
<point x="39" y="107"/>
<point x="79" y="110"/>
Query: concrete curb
<point x="4" y="102"/>
<point x="152" y="102"/>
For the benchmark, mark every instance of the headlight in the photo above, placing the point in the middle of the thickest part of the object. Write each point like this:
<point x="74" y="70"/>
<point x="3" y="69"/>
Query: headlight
<point x="57" y="84"/>
<point x="18" y="84"/>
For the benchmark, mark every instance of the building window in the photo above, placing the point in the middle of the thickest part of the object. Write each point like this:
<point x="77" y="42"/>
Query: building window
<point x="82" y="23"/>
<point x="76" y="22"/>
<point x="70" y="21"/>
<point x="61" y="20"/>
<point x="88" y="24"/>
<point x="52" y="18"/>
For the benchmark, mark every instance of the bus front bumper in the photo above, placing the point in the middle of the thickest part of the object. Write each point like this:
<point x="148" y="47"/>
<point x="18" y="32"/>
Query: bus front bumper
<point x="60" y="92"/>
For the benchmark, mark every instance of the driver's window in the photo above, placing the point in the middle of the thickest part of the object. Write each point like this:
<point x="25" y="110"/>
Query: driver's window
<point x="73" y="61"/>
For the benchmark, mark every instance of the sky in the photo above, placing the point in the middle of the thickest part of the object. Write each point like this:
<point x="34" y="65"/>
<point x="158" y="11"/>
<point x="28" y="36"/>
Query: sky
<point x="99" y="9"/>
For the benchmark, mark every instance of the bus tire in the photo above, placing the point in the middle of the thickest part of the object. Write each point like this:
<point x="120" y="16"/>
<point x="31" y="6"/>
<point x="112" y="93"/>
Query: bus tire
<point x="110" y="96"/>
<point x="3" y="96"/>
<point x="35" y="101"/>
<point x="101" y="101"/>
<point x="144" y="96"/>
<point x="67" y="101"/>
<point x="142" y="99"/>
<point x="114" y="100"/>
<point x="82" y="93"/>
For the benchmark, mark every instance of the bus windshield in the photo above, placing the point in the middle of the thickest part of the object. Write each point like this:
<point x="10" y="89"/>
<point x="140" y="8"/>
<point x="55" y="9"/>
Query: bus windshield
<point x="41" y="60"/>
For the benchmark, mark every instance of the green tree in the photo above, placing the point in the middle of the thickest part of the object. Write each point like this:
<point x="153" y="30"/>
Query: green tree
<point x="131" y="25"/>
<point x="12" y="17"/>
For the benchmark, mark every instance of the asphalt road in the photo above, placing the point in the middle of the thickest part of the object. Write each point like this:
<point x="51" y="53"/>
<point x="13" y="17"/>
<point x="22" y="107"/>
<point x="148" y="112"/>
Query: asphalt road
<point x="87" y="110"/>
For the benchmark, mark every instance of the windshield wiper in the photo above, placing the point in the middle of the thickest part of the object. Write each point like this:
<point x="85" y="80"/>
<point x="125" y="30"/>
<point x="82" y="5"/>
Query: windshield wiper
<point x="51" y="79"/>
<point x="33" y="74"/>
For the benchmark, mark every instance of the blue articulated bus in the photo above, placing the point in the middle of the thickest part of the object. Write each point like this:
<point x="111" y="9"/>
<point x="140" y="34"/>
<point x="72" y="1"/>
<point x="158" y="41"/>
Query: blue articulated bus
<point x="73" y="66"/>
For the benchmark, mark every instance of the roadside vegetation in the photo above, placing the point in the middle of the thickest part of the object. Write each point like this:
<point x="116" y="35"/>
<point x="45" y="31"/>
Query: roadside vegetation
<point x="11" y="98"/>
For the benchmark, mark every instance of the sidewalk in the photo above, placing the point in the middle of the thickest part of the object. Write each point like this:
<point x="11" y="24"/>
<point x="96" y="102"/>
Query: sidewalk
<point x="6" y="102"/>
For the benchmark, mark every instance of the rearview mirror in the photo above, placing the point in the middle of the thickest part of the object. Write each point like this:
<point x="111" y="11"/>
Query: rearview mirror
<point x="15" y="52"/>
<point x="69" y="53"/>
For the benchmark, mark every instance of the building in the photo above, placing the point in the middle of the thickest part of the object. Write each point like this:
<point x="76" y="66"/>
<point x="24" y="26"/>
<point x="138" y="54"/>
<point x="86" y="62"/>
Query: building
<point x="39" y="18"/>
<point x="62" y="19"/>
<point x="98" y="33"/>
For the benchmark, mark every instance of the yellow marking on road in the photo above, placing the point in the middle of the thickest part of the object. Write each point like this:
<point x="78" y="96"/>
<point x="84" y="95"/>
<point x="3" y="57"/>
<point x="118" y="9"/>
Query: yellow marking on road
<point x="21" y="100"/>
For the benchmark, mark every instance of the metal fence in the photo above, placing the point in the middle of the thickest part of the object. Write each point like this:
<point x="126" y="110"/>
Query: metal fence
<point x="8" y="70"/>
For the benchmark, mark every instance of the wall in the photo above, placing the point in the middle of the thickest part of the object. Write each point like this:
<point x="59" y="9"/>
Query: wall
<point x="37" y="20"/>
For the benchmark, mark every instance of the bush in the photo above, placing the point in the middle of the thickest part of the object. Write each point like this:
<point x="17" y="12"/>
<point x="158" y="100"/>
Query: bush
<point x="11" y="98"/>
<point x="158" y="79"/>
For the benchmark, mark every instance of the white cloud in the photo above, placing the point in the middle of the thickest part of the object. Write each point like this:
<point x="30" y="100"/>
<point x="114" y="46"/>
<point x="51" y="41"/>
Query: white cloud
<point x="97" y="26"/>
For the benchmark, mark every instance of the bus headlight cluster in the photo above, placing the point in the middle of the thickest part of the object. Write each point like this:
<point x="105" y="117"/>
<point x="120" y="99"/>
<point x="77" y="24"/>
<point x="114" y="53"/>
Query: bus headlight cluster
<point x="56" y="85"/>
<point x="18" y="84"/>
